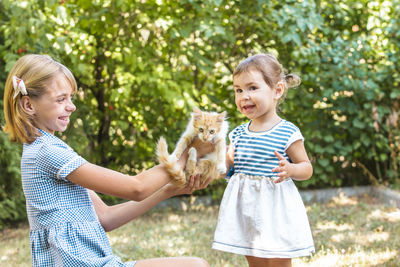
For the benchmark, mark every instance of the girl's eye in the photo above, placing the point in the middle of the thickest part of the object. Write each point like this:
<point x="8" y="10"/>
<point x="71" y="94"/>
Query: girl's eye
<point x="212" y="131"/>
<point x="239" y="90"/>
<point x="253" y="88"/>
<point x="60" y="99"/>
<point x="201" y="130"/>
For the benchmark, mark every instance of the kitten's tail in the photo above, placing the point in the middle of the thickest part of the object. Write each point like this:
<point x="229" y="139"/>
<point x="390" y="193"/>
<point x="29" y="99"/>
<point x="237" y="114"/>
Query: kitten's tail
<point x="170" y="163"/>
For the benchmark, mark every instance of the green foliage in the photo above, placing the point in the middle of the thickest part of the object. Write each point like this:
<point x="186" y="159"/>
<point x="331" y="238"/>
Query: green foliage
<point x="142" y="66"/>
<point x="356" y="92"/>
<point x="12" y="201"/>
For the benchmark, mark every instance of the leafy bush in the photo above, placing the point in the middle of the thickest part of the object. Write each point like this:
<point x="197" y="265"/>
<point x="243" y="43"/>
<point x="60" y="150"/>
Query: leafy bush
<point x="12" y="201"/>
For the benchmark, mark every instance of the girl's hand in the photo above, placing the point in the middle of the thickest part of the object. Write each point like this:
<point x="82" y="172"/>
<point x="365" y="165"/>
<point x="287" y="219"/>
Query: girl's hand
<point x="193" y="185"/>
<point x="284" y="169"/>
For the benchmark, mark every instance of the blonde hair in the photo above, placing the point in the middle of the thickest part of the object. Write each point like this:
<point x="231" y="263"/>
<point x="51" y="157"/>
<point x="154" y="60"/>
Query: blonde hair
<point x="271" y="70"/>
<point x="36" y="71"/>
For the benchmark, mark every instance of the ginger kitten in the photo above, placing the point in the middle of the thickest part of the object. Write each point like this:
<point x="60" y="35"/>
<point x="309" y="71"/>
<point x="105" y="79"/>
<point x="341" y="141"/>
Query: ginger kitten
<point x="208" y="127"/>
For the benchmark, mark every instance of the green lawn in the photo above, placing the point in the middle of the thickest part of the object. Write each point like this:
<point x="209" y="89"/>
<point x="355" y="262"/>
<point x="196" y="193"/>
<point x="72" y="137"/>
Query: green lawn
<point x="347" y="232"/>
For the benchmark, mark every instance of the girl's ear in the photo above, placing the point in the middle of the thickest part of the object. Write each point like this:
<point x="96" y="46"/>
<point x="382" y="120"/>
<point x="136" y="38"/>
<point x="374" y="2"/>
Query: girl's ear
<point x="279" y="90"/>
<point x="27" y="105"/>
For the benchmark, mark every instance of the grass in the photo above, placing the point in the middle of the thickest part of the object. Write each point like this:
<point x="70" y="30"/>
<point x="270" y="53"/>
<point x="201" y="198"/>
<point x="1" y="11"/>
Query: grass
<point x="347" y="232"/>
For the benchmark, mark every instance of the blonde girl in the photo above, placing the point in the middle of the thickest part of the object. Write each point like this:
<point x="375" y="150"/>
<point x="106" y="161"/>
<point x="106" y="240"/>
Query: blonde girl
<point x="67" y="219"/>
<point x="262" y="215"/>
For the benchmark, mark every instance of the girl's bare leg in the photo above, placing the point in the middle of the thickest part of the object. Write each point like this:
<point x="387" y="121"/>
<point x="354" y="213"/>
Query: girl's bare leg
<point x="268" y="262"/>
<point x="173" y="262"/>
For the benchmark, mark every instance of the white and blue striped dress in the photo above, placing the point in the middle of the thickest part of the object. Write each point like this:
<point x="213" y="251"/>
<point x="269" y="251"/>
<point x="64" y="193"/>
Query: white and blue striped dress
<point x="257" y="217"/>
<point x="64" y="227"/>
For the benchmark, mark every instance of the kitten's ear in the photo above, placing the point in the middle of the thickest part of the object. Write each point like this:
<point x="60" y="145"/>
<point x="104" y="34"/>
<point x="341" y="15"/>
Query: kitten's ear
<point x="196" y="110"/>
<point x="221" y="116"/>
<point x="196" y="113"/>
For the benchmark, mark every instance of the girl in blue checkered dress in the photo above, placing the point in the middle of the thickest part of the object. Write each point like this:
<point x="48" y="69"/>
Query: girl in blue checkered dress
<point x="262" y="215"/>
<point x="67" y="219"/>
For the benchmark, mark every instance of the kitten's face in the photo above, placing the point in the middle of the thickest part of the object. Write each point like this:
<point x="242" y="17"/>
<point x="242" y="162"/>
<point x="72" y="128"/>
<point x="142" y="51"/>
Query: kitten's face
<point x="207" y="125"/>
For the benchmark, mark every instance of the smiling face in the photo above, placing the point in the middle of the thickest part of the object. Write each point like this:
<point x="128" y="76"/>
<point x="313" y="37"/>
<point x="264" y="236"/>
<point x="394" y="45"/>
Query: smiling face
<point x="52" y="110"/>
<point x="253" y="97"/>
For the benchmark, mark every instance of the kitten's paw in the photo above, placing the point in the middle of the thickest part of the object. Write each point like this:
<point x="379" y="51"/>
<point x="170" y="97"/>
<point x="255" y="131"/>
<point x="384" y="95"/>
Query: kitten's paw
<point x="221" y="168"/>
<point x="192" y="153"/>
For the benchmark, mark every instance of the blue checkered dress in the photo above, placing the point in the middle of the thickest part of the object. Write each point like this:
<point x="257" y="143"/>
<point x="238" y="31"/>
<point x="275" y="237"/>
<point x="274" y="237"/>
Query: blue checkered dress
<point x="64" y="228"/>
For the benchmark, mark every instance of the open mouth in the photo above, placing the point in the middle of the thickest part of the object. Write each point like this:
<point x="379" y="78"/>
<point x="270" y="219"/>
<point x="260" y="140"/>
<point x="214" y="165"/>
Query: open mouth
<point x="64" y="119"/>
<point x="248" y="108"/>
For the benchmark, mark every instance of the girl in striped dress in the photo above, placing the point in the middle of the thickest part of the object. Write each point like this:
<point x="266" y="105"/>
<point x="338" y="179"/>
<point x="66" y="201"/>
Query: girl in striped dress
<point x="262" y="215"/>
<point x="68" y="220"/>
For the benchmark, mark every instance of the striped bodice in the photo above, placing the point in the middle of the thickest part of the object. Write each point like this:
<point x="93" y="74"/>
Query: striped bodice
<point x="254" y="151"/>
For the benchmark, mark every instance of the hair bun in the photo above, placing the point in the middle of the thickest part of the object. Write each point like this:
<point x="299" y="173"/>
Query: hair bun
<point x="292" y="80"/>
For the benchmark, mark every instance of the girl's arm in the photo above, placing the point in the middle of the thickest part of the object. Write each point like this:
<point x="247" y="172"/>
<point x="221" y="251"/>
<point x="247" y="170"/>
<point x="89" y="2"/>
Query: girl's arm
<point x="229" y="156"/>
<point x="136" y="187"/>
<point x="229" y="159"/>
<point x="114" y="183"/>
<point x="300" y="169"/>
<point x="112" y="217"/>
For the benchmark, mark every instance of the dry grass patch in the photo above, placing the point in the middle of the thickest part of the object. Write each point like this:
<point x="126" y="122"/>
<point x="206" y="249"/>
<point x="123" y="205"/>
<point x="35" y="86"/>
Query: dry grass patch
<point x="347" y="232"/>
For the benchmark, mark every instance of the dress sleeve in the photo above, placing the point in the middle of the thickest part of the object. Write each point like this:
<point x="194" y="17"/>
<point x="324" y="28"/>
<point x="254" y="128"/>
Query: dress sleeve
<point x="58" y="161"/>
<point x="293" y="138"/>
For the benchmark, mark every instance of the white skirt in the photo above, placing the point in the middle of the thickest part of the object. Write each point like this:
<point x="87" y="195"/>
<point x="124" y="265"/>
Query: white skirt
<point x="262" y="219"/>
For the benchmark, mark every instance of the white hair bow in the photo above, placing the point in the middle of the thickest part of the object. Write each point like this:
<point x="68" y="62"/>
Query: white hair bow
<point x="19" y="86"/>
